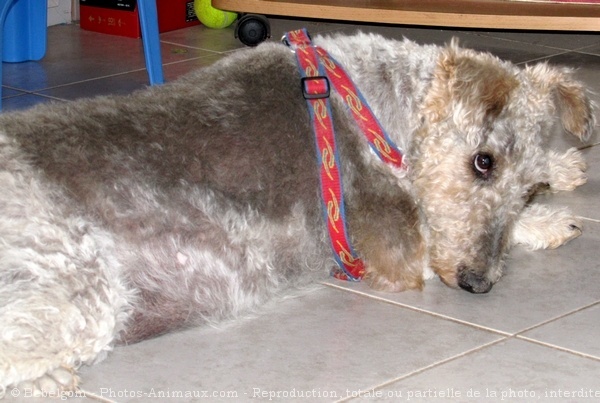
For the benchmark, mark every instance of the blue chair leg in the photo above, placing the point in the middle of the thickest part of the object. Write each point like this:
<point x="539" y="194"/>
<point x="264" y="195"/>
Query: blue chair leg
<point x="4" y="6"/>
<point x="151" y="41"/>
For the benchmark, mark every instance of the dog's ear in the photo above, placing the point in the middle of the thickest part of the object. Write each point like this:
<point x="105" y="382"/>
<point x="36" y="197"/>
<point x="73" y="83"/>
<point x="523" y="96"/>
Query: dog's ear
<point x="568" y="95"/>
<point x="476" y="85"/>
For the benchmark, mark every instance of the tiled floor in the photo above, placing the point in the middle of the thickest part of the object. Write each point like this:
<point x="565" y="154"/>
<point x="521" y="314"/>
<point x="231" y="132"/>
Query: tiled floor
<point x="535" y="337"/>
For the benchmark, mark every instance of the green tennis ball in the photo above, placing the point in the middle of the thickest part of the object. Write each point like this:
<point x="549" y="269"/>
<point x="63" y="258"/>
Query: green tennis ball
<point x="212" y="17"/>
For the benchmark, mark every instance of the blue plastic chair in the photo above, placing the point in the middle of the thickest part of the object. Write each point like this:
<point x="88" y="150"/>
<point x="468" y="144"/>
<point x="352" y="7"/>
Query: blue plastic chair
<point x="22" y="18"/>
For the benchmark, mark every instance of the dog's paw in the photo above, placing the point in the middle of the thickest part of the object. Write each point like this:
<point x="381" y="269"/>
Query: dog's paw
<point x="380" y="283"/>
<point x="54" y="383"/>
<point x="567" y="171"/>
<point x="541" y="227"/>
<point x="392" y="283"/>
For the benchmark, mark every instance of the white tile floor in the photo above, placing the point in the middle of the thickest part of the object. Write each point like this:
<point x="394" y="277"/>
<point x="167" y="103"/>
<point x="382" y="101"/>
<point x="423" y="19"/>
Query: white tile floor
<point x="535" y="337"/>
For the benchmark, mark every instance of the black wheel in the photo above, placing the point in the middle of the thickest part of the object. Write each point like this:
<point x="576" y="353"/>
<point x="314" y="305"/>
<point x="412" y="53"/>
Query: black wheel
<point x="252" y="29"/>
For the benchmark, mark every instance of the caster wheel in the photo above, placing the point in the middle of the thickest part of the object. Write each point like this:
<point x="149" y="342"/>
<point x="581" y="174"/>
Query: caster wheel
<point x="252" y="29"/>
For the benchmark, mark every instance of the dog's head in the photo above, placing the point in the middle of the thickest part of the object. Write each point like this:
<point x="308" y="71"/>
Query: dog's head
<point x="480" y="152"/>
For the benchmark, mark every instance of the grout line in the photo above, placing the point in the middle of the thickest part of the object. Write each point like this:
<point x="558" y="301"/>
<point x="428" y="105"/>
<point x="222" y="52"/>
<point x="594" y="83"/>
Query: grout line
<point x="542" y="58"/>
<point x="213" y="52"/>
<point x="489" y="34"/>
<point x="87" y="80"/>
<point x="584" y="49"/>
<point x="556" y="347"/>
<point x="520" y="335"/>
<point x="93" y="396"/>
<point x="49" y="97"/>
<point x="468" y="352"/>
<point x="187" y="46"/>
<point x="427" y="367"/>
<point x="421" y="310"/>
<point x="561" y="316"/>
<point x="506" y="335"/>
<point x="192" y="59"/>
<point x="36" y="92"/>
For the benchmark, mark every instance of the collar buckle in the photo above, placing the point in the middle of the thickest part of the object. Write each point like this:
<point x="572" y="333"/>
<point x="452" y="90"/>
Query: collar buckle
<point x="316" y="87"/>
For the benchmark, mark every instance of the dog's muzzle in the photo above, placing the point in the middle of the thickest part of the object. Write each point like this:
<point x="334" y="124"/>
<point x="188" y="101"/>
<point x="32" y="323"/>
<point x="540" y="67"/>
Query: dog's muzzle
<point x="469" y="281"/>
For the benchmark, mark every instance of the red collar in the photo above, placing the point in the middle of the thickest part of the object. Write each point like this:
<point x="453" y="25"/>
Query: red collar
<point x="319" y="70"/>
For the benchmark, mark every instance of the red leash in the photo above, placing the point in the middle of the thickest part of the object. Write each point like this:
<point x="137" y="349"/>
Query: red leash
<point x="318" y="69"/>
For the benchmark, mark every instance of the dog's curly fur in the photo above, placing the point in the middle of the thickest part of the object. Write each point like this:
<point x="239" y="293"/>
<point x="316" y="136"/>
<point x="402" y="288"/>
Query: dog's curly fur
<point x="123" y="218"/>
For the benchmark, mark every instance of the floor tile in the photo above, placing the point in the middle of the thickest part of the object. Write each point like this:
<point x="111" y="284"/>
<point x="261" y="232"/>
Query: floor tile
<point x="118" y="84"/>
<point x="122" y="84"/>
<point x="24" y="101"/>
<point x="201" y="37"/>
<point x="536" y="287"/>
<point x="577" y="332"/>
<point x="557" y="40"/>
<point x="593" y="49"/>
<point x="323" y="341"/>
<point x="10" y="92"/>
<point x="73" y="57"/>
<point x="514" y="371"/>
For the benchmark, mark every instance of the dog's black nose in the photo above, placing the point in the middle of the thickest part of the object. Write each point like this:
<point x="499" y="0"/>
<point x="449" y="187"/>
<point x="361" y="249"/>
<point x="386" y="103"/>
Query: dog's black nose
<point x="471" y="282"/>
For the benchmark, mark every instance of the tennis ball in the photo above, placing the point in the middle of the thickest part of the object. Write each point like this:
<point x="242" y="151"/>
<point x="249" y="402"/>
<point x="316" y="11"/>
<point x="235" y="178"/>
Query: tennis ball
<point x="212" y="17"/>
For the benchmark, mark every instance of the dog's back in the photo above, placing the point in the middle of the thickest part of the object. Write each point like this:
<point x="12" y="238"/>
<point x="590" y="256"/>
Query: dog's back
<point x="206" y="129"/>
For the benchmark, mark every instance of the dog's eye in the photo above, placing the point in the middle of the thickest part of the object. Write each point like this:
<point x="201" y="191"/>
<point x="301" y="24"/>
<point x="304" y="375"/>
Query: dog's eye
<point x="483" y="165"/>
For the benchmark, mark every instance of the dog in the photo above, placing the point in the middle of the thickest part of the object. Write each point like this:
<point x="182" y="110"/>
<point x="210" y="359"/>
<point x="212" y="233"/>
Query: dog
<point x="125" y="217"/>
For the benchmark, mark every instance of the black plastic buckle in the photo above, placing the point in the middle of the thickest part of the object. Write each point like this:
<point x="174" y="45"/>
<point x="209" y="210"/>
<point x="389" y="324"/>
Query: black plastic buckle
<point x="319" y="95"/>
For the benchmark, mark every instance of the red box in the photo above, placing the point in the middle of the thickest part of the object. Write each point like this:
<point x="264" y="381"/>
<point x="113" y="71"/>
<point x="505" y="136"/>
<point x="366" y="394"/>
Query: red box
<point x="120" y="17"/>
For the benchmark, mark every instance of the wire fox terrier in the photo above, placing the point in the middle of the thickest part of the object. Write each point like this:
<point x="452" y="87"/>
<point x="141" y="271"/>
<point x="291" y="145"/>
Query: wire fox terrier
<point x="123" y="218"/>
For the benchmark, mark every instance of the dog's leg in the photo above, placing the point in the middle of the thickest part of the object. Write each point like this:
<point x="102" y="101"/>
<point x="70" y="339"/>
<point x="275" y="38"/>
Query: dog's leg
<point x="543" y="227"/>
<point x="567" y="170"/>
<point x="60" y="305"/>
<point x="61" y="302"/>
<point x="386" y="234"/>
